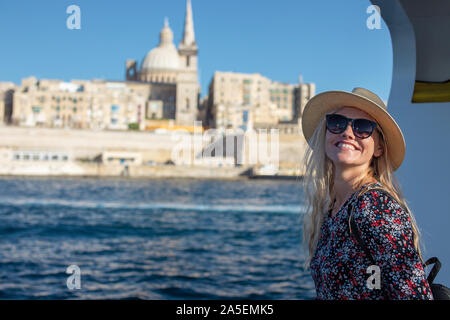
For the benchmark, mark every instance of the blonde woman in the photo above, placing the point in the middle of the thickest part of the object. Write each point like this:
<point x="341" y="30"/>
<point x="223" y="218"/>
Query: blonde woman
<point x="354" y="147"/>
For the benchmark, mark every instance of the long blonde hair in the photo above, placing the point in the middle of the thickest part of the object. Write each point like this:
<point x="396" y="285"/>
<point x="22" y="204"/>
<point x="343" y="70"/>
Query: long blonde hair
<point x="318" y="185"/>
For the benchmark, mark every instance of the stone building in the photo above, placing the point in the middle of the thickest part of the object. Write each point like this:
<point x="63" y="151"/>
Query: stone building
<point x="164" y="88"/>
<point x="6" y="101"/>
<point x="172" y="73"/>
<point x="238" y="100"/>
<point x="95" y="104"/>
<point x="303" y="92"/>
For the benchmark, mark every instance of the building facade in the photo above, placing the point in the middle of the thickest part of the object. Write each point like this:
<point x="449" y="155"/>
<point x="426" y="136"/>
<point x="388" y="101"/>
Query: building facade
<point x="165" y="88"/>
<point x="246" y="101"/>
<point x="303" y="92"/>
<point x="162" y="91"/>
<point x="176" y="68"/>
<point x="96" y="104"/>
<point x="6" y="101"/>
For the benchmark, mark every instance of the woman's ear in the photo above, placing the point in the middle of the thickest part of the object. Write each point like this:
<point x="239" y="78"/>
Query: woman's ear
<point x="378" y="151"/>
<point x="379" y="148"/>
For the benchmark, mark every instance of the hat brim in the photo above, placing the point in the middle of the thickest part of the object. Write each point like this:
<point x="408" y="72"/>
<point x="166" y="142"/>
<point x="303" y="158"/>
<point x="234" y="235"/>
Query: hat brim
<point x="319" y="105"/>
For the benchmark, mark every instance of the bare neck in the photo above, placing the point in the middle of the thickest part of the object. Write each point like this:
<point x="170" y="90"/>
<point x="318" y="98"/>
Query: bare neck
<point x="344" y="187"/>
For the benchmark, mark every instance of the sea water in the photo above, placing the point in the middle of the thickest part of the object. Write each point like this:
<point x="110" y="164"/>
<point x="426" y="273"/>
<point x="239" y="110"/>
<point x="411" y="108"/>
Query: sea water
<point x="152" y="239"/>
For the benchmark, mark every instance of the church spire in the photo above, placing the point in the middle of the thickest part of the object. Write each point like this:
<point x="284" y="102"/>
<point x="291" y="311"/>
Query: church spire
<point x="188" y="40"/>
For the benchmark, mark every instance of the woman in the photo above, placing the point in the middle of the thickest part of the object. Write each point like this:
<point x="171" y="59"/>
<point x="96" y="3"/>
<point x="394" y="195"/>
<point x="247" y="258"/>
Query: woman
<point x="354" y="148"/>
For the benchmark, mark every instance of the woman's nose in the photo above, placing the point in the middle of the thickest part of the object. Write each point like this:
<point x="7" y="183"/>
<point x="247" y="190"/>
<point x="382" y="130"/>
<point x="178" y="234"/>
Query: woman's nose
<point x="349" y="130"/>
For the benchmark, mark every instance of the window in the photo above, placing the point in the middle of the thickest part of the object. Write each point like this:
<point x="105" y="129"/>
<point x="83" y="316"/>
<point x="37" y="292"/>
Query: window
<point x="188" y="61"/>
<point x="245" y="116"/>
<point x="36" y="109"/>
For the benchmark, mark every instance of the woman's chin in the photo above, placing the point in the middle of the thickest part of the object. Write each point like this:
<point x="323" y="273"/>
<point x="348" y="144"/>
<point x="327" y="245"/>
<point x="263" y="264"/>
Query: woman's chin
<point x="344" y="160"/>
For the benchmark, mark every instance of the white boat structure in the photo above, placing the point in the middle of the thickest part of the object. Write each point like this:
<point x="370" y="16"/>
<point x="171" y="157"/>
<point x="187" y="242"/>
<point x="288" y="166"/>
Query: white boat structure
<point x="419" y="101"/>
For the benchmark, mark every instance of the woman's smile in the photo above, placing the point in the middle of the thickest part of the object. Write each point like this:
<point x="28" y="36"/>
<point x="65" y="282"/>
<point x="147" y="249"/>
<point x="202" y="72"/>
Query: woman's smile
<point x="345" y="146"/>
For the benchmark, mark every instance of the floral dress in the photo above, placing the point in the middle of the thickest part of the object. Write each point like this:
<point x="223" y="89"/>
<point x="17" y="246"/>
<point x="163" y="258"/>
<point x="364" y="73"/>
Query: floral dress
<point x="339" y="264"/>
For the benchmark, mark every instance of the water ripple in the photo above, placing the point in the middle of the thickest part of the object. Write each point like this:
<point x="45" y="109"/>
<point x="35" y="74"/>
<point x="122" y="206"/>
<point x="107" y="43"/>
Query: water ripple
<point x="152" y="240"/>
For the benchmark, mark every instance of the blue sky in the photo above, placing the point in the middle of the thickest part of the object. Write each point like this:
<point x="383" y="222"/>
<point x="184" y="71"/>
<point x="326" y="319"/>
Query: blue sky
<point x="326" y="41"/>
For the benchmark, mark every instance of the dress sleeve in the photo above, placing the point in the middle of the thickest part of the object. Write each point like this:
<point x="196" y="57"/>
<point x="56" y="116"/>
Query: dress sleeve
<point x="387" y="231"/>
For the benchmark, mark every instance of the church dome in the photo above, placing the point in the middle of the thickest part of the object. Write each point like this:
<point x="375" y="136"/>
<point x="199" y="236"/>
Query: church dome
<point x="165" y="56"/>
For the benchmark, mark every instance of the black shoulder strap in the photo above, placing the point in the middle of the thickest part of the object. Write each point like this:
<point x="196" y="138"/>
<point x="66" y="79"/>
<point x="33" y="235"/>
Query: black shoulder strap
<point x="435" y="270"/>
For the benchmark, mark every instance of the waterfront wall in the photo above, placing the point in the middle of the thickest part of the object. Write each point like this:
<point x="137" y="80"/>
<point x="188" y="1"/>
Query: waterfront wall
<point x="83" y="145"/>
<point x="34" y="168"/>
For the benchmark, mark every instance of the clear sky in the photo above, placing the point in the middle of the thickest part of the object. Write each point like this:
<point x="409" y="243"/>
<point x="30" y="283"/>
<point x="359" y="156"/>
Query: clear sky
<point x="325" y="41"/>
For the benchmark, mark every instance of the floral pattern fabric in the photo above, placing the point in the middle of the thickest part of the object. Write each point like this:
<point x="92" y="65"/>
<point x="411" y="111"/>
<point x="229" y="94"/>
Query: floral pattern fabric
<point x="339" y="264"/>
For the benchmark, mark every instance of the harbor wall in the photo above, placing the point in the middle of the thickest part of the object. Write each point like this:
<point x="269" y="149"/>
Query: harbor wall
<point x="82" y="146"/>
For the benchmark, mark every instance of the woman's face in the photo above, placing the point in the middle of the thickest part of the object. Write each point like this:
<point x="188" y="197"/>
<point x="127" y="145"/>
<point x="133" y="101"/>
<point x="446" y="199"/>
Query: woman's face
<point x="364" y="150"/>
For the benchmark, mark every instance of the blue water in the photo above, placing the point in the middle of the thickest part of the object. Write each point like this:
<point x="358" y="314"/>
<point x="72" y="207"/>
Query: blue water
<point x="152" y="239"/>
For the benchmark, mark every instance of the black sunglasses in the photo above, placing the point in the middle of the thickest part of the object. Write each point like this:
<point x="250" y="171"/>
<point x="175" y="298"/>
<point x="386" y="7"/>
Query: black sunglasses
<point x="362" y="128"/>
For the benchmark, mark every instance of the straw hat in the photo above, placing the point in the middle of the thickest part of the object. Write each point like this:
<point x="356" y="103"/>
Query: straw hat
<point x="365" y="100"/>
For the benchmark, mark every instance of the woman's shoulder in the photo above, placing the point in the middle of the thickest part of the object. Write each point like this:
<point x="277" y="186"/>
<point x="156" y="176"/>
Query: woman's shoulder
<point x="374" y="192"/>
<point x="378" y="201"/>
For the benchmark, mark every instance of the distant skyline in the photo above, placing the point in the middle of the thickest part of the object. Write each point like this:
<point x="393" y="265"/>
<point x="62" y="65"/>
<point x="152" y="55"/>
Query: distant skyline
<point x="326" y="42"/>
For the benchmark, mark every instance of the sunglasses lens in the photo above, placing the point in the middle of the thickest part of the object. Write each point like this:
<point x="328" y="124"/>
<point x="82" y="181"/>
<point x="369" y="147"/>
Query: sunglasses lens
<point x="336" y="123"/>
<point x="363" y="128"/>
